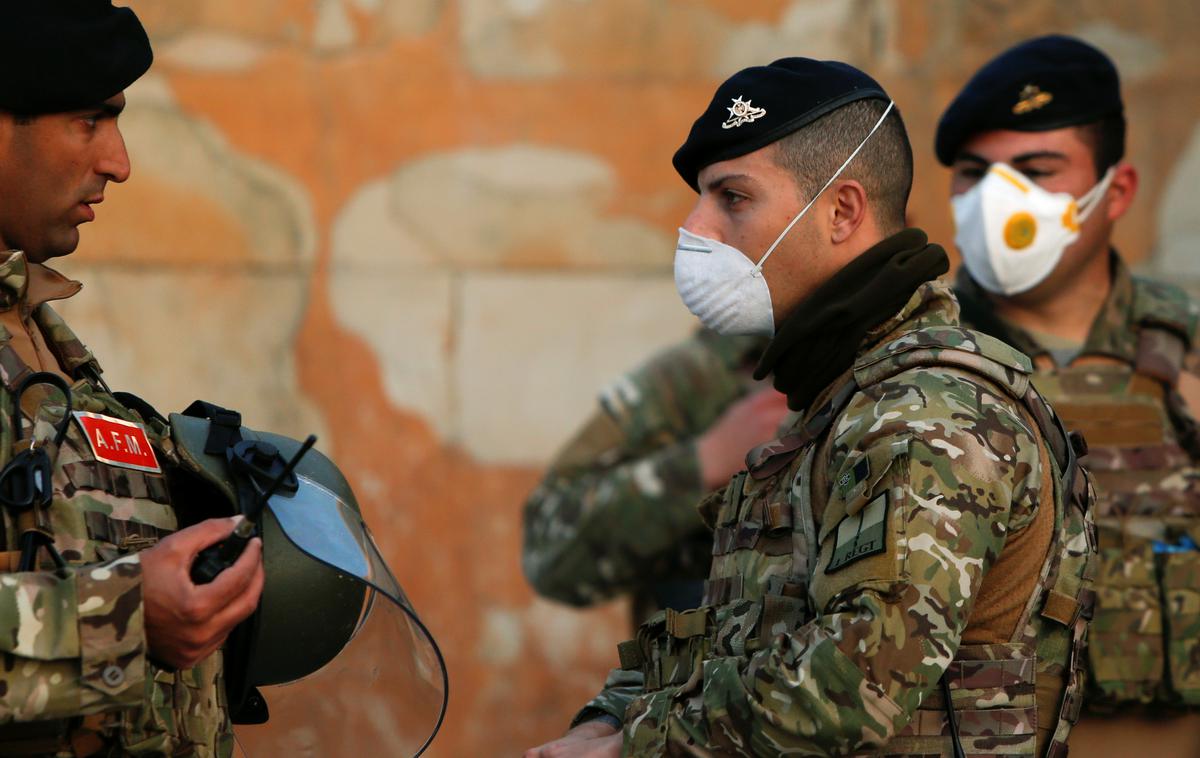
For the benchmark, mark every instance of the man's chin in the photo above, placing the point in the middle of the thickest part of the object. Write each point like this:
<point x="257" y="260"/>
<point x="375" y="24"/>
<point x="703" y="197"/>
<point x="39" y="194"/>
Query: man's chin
<point x="62" y="244"/>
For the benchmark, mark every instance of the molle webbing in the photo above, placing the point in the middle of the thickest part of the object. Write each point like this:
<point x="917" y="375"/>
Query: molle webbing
<point x="1006" y="675"/>
<point x="126" y="535"/>
<point x="95" y="475"/>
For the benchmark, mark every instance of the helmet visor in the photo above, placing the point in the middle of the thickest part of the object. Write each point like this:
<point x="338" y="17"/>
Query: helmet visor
<point x="385" y="692"/>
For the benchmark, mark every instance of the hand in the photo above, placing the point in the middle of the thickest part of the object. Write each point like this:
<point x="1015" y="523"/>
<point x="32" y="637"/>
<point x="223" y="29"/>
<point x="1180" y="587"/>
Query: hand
<point x="592" y="739"/>
<point x="749" y="422"/>
<point x="186" y="622"/>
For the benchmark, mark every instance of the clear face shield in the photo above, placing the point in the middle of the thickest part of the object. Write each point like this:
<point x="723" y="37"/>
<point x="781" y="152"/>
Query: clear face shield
<point x="383" y="686"/>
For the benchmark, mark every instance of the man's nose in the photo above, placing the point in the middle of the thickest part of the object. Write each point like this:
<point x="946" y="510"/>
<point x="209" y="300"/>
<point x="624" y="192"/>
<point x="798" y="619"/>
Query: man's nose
<point x="700" y="222"/>
<point x="114" y="160"/>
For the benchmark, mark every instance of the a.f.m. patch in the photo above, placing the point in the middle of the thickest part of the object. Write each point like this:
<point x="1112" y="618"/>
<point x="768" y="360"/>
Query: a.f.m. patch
<point x="860" y="535"/>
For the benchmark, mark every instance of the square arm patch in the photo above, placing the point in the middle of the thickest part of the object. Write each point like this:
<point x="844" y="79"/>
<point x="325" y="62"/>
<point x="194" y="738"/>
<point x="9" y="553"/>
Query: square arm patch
<point x="860" y="535"/>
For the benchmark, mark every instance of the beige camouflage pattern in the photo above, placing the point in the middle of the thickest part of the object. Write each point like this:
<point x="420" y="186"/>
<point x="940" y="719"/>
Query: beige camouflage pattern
<point x="615" y="512"/>
<point x="74" y="642"/>
<point x="799" y="651"/>
<point x="1120" y="392"/>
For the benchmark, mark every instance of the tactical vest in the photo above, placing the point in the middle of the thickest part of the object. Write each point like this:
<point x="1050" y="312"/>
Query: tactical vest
<point x="101" y="512"/>
<point x="1145" y="639"/>
<point x="765" y="551"/>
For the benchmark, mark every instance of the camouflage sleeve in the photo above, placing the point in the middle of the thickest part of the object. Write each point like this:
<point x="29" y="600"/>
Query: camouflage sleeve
<point x="74" y="644"/>
<point x="618" y="504"/>
<point x="620" y="689"/>
<point x="925" y="485"/>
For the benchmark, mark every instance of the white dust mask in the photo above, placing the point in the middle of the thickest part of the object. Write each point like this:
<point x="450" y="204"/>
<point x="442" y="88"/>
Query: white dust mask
<point x="722" y="287"/>
<point x="1012" y="233"/>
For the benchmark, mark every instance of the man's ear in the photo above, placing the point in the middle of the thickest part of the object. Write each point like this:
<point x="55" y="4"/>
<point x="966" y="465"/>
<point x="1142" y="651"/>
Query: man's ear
<point x="1122" y="190"/>
<point x="848" y="210"/>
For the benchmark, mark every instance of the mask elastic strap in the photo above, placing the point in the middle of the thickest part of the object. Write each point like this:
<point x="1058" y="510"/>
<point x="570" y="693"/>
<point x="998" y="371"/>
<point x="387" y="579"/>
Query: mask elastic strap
<point x="832" y="179"/>
<point x="1091" y="199"/>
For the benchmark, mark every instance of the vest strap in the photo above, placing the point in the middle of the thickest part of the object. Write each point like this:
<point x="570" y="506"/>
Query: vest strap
<point x="1066" y="609"/>
<point x="630" y="653"/>
<point x="1160" y="354"/>
<point x="683" y="625"/>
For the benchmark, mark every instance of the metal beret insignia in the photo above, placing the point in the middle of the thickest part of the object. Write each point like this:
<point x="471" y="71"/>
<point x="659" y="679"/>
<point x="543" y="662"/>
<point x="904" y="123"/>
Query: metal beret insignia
<point x="742" y="112"/>
<point x="1030" y="99"/>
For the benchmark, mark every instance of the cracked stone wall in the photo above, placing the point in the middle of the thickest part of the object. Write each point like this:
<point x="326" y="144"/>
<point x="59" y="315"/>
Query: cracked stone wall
<point x="430" y="230"/>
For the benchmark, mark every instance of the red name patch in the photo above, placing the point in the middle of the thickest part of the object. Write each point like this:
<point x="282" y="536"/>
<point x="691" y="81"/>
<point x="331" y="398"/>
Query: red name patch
<point x="117" y="442"/>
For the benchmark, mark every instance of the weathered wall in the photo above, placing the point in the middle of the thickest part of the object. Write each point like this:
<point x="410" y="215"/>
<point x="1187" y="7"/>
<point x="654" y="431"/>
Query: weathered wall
<point x="429" y="230"/>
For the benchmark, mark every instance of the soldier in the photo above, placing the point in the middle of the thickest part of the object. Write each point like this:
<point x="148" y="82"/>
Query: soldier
<point x="616" y="511"/>
<point x="109" y="648"/>
<point x="1036" y="141"/>
<point x="905" y="571"/>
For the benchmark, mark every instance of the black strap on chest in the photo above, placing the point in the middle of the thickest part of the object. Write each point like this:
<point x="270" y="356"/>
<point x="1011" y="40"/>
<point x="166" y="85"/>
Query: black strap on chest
<point x="26" y="481"/>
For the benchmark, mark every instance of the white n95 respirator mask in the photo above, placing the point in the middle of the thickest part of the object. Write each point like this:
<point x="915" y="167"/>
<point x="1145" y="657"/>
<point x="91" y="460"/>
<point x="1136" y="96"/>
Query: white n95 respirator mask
<point x="1012" y="233"/>
<point x="722" y="287"/>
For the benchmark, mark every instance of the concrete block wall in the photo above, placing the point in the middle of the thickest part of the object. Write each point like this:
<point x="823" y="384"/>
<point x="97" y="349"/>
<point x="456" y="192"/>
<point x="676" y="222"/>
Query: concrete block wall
<point x="431" y="230"/>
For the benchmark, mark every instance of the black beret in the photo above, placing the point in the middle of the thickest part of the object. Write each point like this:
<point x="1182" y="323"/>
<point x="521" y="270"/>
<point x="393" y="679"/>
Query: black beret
<point x="1045" y="83"/>
<point x="759" y="105"/>
<point x="62" y="55"/>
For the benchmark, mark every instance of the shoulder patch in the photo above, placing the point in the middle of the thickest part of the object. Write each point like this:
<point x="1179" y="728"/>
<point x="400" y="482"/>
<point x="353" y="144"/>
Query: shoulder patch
<point x="861" y="534"/>
<point x="854" y="477"/>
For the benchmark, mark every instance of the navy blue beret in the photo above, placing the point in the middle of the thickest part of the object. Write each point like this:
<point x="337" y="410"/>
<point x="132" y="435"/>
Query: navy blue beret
<point x="759" y="105"/>
<point x="1045" y="83"/>
<point x="62" y="55"/>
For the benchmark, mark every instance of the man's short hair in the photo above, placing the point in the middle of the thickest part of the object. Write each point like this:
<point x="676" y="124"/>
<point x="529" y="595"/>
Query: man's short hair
<point x="884" y="166"/>
<point x="1106" y="138"/>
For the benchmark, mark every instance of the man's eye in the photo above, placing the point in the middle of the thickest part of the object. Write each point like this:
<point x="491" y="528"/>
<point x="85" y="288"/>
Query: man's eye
<point x="971" y="172"/>
<point x="732" y="198"/>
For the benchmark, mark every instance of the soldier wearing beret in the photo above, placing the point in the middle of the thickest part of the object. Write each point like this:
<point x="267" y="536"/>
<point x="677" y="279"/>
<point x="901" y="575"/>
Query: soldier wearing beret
<point x="109" y="648"/>
<point x="905" y="571"/>
<point x="1036" y="143"/>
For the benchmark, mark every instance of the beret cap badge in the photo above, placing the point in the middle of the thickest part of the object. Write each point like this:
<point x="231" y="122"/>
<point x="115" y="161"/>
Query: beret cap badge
<point x="742" y="112"/>
<point x="1030" y="99"/>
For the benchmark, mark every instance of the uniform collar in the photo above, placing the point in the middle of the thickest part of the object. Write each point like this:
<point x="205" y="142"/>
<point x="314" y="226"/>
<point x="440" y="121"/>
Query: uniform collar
<point x="933" y="304"/>
<point x="31" y="284"/>
<point x="1110" y="334"/>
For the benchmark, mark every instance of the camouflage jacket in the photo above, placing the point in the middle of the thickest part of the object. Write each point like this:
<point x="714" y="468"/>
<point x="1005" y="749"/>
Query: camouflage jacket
<point x="1121" y="392"/>
<point x="616" y="510"/>
<point x="911" y="525"/>
<point x="77" y="680"/>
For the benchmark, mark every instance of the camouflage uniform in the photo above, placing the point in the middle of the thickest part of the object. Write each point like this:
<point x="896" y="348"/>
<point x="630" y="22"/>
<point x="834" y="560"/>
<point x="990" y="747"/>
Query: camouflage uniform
<point x="617" y="509"/>
<point x="849" y="559"/>
<point x="1121" y="392"/>
<point x="77" y="680"/>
